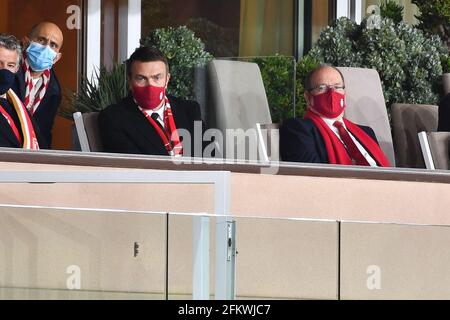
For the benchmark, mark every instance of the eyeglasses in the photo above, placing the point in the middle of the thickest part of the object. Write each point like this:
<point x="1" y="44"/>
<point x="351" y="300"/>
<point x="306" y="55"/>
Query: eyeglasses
<point x="325" y="87"/>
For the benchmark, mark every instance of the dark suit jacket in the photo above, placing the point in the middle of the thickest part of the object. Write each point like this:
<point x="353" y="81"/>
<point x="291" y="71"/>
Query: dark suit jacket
<point x="7" y="136"/>
<point x="301" y="141"/>
<point x="125" y="129"/>
<point x="444" y="114"/>
<point x="47" y="110"/>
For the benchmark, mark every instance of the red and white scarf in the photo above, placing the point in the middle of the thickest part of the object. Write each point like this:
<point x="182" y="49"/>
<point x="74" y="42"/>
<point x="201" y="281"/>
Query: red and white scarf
<point x="337" y="154"/>
<point x="29" y="140"/>
<point x="29" y="86"/>
<point x="169" y="136"/>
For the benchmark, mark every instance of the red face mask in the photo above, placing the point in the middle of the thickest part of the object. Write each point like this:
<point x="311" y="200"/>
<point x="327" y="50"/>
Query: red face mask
<point x="149" y="97"/>
<point x="329" y="104"/>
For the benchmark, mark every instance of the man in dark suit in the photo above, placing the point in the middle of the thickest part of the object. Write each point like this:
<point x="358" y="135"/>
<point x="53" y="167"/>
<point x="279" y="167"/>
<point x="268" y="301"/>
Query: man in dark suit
<point x="147" y="121"/>
<point x="17" y="128"/>
<point x="324" y="135"/>
<point x="36" y="82"/>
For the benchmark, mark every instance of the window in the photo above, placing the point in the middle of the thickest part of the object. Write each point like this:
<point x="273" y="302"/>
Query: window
<point x="410" y="9"/>
<point x="228" y="28"/>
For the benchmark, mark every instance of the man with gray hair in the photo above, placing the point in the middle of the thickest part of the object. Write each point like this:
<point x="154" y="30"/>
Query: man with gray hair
<point x="324" y="135"/>
<point x="17" y="128"/>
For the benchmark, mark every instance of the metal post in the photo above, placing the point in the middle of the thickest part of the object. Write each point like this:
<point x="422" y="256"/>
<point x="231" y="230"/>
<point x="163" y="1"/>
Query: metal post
<point x="200" y="268"/>
<point x="225" y="243"/>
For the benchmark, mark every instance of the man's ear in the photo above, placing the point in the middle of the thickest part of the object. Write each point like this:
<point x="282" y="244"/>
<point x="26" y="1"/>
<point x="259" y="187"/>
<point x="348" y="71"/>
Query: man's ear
<point x="168" y="79"/>
<point x="308" y="98"/>
<point x="25" y="42"/>
<point x="57" y="58"/>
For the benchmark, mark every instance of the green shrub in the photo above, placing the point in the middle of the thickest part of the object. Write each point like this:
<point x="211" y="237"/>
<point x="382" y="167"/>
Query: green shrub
<point x="445" y="60"/>
<point x="184" y="51"/>
<point x="304" y="67"/>
<point x="277" y="73"/>
<point x="407" y="59"/>
<point x="435" y="18"/>
<point x="390" y="9"/>
<point x="107" y="87"/>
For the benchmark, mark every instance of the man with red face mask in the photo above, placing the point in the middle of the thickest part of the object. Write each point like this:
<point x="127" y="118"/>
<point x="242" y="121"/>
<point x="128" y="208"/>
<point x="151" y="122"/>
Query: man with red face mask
<point x="147" y="121"/>
<point x="324" y="135"/>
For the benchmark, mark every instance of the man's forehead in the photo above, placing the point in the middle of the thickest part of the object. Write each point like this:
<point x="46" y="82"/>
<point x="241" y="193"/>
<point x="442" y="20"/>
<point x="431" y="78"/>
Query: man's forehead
<point x="327" y="74"/>
<point x="150" y="68"/>
<point x="49" y="32"/>
<point x="6" y="55"/>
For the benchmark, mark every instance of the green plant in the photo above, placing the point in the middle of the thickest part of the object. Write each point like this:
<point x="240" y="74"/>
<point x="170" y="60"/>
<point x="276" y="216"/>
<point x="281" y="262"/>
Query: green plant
<point x="435" y="17"/>
<point x="277" y="73"/>
<point x="304" y="67"/>
<point x="184" y="51"/>
<point x="392" y="10"/>
<point x="105" y="88"/>
<point x="407" y="59"/>
<point x="445" y="60"/>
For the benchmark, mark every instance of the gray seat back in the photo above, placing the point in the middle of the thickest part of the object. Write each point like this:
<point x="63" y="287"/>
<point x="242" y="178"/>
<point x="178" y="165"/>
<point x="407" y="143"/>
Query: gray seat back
<point x="238" y="101"/>
<point x="366" y="105"/>
<point x="439" y="147"/>
<point x="407" y="121"/>
<point x="87" y="130"/>
<point x="269" y="141"/>
<point x="446" y="83"/>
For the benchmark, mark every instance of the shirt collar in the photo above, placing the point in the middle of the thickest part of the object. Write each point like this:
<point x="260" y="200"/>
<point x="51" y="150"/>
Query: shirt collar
<point x="330" y="122"/>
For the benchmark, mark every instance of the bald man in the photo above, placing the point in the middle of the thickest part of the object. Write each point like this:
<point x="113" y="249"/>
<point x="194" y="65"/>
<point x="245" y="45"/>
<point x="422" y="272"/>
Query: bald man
<point x="324" y="135"/>
<point x="36" y="82"/>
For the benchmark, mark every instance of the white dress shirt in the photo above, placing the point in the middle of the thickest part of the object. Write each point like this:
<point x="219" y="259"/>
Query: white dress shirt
<point x="159" y="112"/>
<point x="37" y="83"/>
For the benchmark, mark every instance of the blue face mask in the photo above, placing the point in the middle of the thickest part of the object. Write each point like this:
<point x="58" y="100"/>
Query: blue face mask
<point x="6" y="80"/>
<point x="40" y="57"/>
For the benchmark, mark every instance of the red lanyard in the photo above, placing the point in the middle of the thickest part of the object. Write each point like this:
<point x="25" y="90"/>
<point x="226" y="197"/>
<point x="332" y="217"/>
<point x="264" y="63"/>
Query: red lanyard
<point x="160" y="132"/>
<point x="11" y="124"/>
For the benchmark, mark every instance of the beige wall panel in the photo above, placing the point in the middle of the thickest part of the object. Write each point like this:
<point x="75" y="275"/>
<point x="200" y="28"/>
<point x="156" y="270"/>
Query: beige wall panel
<point x="46" y="294"/>
<point x="380" y="261"/>
<point x="340" y="199"/>
<point x="277" y="258"/>
<point x="290" y="197"/>
<point x="286" y="259"/>
<point x="37" y="246"/>
<point x="130" y="197"/>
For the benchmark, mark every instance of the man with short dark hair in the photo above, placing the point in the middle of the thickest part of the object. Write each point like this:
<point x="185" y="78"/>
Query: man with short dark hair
<point x="148" y="121"/>
<point x="324" y="135"/>
<point x="17" y="128"/>
<point x="36" y="82"/>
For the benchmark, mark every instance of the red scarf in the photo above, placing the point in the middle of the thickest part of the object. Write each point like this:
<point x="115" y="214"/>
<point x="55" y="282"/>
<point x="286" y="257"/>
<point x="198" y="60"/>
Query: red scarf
<point x="173" y="146"/>
<point x="29" y="140"/>
<point x="337" y="154"/>
<point x="29" y="86"/>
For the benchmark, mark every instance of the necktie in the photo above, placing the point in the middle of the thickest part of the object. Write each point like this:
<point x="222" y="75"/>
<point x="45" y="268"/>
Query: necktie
<point x="352" y="149"/>
<point x="155" y="117"/>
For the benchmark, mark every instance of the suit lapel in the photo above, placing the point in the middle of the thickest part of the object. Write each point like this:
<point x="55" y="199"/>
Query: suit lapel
<point x="22" y="86"/>
<point x="179" y="116"/>
<point x="144" y="127"/>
